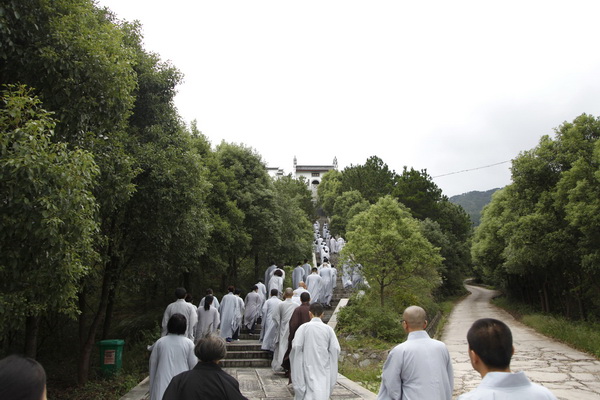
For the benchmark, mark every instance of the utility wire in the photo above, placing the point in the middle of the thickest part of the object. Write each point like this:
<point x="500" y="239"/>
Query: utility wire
<point x="472" y="169"/>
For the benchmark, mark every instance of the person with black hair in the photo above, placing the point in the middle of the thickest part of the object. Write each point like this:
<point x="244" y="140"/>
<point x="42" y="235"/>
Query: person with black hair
<point x="208" y="319"/>
<point x="490" y="350"/>
<point x="180" y="306"/>
<point x="232" y="312"/>
<point x="22" y="378"/>
<point x="171" y="355"/>
<point x="209" y="292"/>
<point x="268" y="332"/>
<point x="314" y="358"/>
<point x="206" y="380"/>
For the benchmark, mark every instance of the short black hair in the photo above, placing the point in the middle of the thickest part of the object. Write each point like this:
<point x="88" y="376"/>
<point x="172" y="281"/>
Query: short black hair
<point x="21" y="378"/>
<point x="278" y="272"/>
<point x="180" y="293"/>
<point x="177" y="324"/>
<point x="254" y="287"/>
<point x="208" y="300"/>
<point x="274" y="292"/>
<point x="316" y="309"/>
<point x="237" y="291"/>
<point x="491" y="340"/>
<point x="304" y="297"/>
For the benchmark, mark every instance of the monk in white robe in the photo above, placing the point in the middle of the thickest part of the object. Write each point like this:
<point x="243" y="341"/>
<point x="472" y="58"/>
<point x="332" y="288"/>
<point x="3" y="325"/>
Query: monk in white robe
<point x="268" y="331"/>
<point x="314" y="358"/>
<point x="181" y="306"/>
<point x="215" y="302"/>
<point x="281" y="322"/>
<point x="313" y="285"/>
<point x="276" y="281"/>
<point x="298" y="275"/>
<point x="253" y="303"/>
<point x="232" y="312"/>
<point x="298" y="292"/>
<point x="171" y="355"/>
<point x="262" y="290"/>
<point x="208" y="319"/>
<point x="329" y="276"/>
<point x="269" y="273"/>
<point x="307" y="269"/>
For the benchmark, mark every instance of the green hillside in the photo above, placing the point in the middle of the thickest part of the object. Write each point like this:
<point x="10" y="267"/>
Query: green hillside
<point x="473" y="202"/>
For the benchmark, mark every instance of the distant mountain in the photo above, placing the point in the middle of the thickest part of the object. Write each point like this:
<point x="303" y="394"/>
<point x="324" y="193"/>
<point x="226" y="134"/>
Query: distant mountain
<point x="473" y="203"/>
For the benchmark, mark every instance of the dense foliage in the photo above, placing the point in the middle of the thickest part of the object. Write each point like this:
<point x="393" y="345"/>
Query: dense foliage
<point x="345" y="194"/>
<point x="538" y="238"/>
<point x="109" y="201"/>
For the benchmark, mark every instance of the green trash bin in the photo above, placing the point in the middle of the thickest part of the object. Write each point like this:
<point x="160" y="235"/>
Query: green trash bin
<point x="111" y="356"/>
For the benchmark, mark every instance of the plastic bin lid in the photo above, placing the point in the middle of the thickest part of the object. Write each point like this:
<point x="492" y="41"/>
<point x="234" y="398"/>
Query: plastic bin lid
<point x="111" y="342"/>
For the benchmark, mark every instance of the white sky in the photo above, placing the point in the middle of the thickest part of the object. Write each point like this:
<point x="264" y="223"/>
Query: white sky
<point x="442" y="85"/>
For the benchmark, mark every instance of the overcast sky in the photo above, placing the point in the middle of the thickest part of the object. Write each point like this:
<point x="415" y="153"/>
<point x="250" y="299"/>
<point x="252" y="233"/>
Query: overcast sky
<point x="442" y="85"/>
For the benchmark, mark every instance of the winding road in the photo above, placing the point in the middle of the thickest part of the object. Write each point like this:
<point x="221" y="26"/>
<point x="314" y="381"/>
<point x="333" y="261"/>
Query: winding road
<point x="568" y="373"/>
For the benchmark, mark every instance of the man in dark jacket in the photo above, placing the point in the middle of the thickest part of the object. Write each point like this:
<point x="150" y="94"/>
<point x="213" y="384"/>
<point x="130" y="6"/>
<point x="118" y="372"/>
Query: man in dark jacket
<point x="207" y="380"/>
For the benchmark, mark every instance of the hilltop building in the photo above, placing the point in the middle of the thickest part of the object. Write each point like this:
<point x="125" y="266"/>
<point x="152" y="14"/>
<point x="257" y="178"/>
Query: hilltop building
<point x="313" y="173"/>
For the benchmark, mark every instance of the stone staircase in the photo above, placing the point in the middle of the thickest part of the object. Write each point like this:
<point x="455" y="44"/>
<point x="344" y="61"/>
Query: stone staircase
<point x="247" y="352"/>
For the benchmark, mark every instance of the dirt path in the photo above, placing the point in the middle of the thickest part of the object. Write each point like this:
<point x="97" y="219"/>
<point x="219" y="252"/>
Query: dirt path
<point x="568" y="373"/>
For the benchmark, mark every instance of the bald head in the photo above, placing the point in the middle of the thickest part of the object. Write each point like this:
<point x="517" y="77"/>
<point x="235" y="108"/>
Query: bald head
<point x="415" y="318"/>
<point x="288" y="293"/>
<point x="302" y="285"/>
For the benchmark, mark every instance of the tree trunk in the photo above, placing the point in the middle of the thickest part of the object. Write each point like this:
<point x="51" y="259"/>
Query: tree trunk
<point x="256" y="267"/>
<point x="109" y="312"/>
<point x="186" y="281"/>
<point x="83" y="315"/>
<point x="90" y="338"/>
<point x="381" y="294"/>
<point x="32" y="325"/>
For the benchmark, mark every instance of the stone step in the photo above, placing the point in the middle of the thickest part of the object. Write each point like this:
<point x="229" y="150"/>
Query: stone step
<point x="245" y="363"/>
<point x="244" y="355"/>
<point x="243" y="345"/>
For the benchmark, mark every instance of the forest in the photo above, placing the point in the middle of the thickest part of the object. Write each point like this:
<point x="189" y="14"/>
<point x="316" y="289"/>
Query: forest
<point x="109" y="201"/>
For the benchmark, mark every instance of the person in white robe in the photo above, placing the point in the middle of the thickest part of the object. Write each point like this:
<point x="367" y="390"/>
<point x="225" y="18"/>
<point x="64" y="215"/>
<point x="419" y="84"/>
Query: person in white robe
<point x="276" y="281"/>
<point x="268" y="331"/>
<point x="333" y="245"/>
<point x="269" y="273"/>
<point x="262" y="290"/>
<point x="329" y="276"/>
<point x="180" y="306"/>
<point x="253" y="304"/>
<point x="298" y="274"/>
<point x="208" y="319"/>
<point x="419" y="368"/>
<point x="314" y="358"/>
<point x="215" y="303"/>
<point x="346" y="276"/>
<point x="313" y="285"/>
<point x="357" y="277"/>
<point x="281" y="322"/>
<point x="298" y="292"/>
<point x="490" y="351"/>
<point x="171" y="355"/>
<point x="307" y="268"/>
<point x="231" y="314"/>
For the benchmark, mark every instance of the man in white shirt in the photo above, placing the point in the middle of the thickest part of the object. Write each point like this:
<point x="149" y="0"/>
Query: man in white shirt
<point x="313" y="285"/>
<point x="420" y="368"/>
<point x="314" y="358"/>
<point x="490" y="351"/>
<point x="180" y="306"/>
<point x="298" y="275"/>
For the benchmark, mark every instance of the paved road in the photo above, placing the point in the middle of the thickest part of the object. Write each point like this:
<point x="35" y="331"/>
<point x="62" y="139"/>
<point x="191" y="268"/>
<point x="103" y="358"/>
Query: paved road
<point x="568" y="373"/>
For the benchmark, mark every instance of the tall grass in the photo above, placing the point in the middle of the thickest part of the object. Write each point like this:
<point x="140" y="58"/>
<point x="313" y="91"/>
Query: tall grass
<point x="581" y="335"/>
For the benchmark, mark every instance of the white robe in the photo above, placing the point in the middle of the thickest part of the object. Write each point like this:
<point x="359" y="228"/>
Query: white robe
<point x="171" y="355"/>
<point x="419" y="368"/>
<point x="298" y="275"/>
<point x="188" y="310"/>
<point x="269" y="274"/>
<point x="215" y="302"/>
<point x="508" y="386"/>
<point x="314" y="361"/>
<point x="276" y="282"/>
<point x="313" y="285"/>
<point x="253" y="303"/>
<point x="262" y="290"/>
<point x="268" y="331"/>
<point x="208" y="322"/>
<point x="281" y="321"/>
<point x="307" y="269"/>
<point x="329" y="276"/>
<point x="232" y="312"/>
<point x="297" y="293"/>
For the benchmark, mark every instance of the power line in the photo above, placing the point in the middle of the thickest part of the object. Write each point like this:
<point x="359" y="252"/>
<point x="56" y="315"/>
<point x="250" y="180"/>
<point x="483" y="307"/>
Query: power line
<point x="472" y="169"/>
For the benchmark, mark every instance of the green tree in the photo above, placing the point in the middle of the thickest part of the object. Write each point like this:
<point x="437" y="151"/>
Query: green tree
<point x="347" y="205"/>
<point x="388" y="242"/>
<point x="47" y="221"/>
<point x="373" y="179"/>
<point x="417" y="191"/>
<point x="329" y="189"/>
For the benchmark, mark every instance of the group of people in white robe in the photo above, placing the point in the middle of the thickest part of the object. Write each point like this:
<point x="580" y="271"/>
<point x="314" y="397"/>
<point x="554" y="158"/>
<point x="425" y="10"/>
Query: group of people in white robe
<point x="326" y="245"/>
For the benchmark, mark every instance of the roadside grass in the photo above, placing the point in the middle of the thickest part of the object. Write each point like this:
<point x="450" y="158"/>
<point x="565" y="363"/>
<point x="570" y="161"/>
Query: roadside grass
<point x="584" y="336"/>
